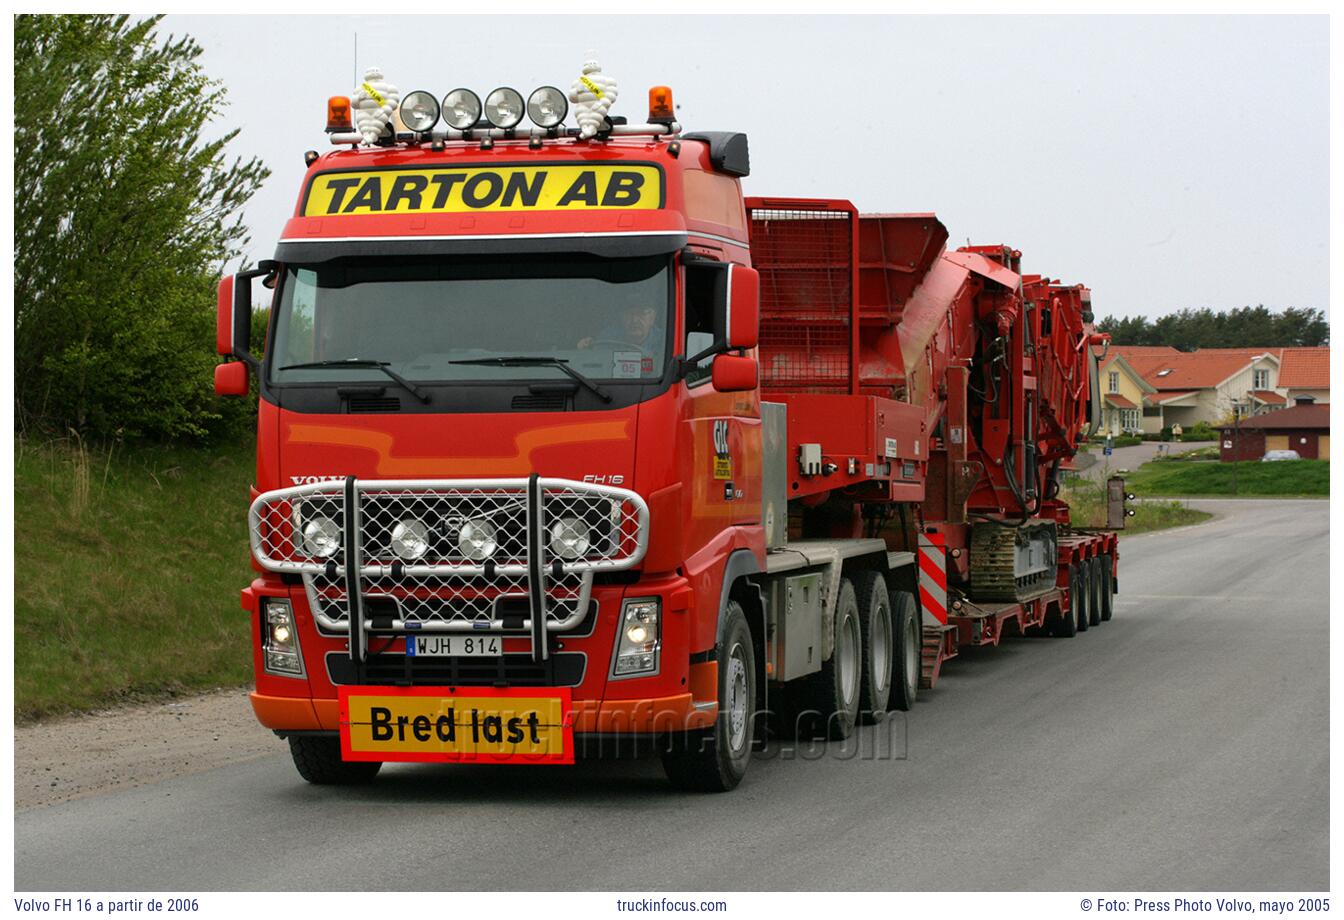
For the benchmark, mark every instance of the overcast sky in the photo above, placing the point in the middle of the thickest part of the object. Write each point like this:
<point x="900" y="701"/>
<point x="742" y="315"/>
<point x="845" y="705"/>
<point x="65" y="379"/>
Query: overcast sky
<point x="1164" y="161"/>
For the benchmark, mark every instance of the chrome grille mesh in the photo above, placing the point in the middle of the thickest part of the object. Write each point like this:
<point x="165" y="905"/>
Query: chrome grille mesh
<point x="452" y="584"/>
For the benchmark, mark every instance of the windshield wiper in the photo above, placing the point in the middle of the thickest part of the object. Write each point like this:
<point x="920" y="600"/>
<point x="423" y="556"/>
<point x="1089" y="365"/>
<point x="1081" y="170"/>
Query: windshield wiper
<point x="363" y="362"/>
<point x="539" y="361"/>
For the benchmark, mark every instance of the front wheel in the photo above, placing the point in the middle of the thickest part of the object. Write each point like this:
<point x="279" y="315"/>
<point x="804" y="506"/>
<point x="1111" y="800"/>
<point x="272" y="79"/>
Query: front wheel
<point x="715" y="759"/>
<point x="318" y="760"/>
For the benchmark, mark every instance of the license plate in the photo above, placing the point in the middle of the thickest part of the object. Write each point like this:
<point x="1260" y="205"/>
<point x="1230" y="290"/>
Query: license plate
<point x="493" y="725"/>
<point x="443" y="646"/>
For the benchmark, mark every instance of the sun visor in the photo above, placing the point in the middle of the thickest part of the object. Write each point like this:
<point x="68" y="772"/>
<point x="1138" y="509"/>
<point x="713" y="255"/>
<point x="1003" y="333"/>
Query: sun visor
<point x="609" y="244"/>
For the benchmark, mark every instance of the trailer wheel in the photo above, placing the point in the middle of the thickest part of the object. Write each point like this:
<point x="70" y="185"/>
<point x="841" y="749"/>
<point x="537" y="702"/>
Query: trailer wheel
<point x="1108" y="588"/>
<point x="909" y="653"/>
<point x="827" y="701"/>
<point x="715" y="759"/>
<point x="878" y="639"/>
<point x="1065" y="626"/>
<point x="1082" y="605"/>
<point x="1095" y="601"/>
<point x="318" y="760"/>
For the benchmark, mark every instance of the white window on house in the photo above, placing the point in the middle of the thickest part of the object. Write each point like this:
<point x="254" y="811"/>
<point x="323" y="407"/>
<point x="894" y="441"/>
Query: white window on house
<point x="1114" y="381"/>
<point x="1129" y="419"/>
<point x="1261" y="380"/>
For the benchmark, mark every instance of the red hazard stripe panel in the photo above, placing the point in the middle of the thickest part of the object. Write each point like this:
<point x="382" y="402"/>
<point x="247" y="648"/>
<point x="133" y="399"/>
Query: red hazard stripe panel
<point x="933" y="577"/>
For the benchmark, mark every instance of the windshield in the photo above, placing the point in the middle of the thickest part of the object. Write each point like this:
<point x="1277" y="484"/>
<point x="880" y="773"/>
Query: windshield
<point x="421" y="316"/>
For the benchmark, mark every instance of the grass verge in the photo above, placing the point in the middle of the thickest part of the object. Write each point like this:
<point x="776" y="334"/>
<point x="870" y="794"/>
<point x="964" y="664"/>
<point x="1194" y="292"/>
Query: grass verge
<point x="1248" y="478"/>
<point x="128" y="564"/>
<point x="1087" y="508"/>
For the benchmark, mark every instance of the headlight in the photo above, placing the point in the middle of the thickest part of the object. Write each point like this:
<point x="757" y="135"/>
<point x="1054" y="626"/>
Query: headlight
<point x="638" y="641"/>
<point x="321" y="537"/>
<point x="504" y="107"/>
<point x="547" y="107"/>
<point x="476" y="539"/>
<point x="419" y="111"/>
<point x="461" y="109"/>
<point x="279" y="639"/>
<point x="410" y="539"/>
<point x="569" y="538"/>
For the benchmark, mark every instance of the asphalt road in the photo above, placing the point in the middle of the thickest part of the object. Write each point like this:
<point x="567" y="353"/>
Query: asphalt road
<point x="1181" y="746"/>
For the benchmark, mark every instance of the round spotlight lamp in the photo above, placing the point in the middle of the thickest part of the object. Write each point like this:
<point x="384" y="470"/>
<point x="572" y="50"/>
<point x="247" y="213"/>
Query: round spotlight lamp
<point x="419" y="111"/>
<point x="569" y="538"/>
<point x="321" y="537"/>
<point x="461" y="109"/>
<point x="410" y="539"/>
<point x="477" y="540"/>
<point x="547" y="106"/>
<point x="504" y="107"/>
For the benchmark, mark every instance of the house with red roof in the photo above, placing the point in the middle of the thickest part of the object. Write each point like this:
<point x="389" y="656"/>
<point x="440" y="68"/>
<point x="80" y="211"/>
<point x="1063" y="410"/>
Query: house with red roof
<point x="1304" y="428"/>
<point x="1215" y="385"/>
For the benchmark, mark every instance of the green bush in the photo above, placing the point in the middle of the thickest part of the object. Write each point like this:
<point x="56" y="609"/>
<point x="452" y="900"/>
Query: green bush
<point x="1200" y="431"/>
<point x="124" y="219"/>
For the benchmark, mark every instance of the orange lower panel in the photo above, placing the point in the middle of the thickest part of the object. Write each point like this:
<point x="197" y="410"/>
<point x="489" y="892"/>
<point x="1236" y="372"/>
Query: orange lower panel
<point x="669" y="713"/>
<point x="286" y="712"/>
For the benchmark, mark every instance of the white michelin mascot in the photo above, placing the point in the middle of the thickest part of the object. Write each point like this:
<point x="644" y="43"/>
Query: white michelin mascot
<point x="592" y="95"/>
<point x="374" y="101"/>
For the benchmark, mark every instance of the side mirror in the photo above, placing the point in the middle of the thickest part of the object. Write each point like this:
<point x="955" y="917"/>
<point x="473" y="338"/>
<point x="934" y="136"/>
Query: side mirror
<point x="733" y="373"/>
<point x="737" y="315"/>
<point x="231" y="379"/>
<point x="233" y="320"/>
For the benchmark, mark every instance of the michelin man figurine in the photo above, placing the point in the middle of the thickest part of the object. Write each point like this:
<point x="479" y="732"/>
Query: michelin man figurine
<point x="592" y="94"/>
<point x="374" y="101"/>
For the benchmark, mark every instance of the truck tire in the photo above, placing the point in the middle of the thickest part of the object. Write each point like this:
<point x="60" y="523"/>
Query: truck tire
<point x="1108" y="588"/>
<point x="908" y="655"/>
<point x="318" y="760"/>
<point x="715" y="759"/>
<point x="878" y="640"/>
<point x="1095" y="600"/>
<point x="1082" y="606"/>
<point x="1066" y="625"/>
<point x="826" y="703"/>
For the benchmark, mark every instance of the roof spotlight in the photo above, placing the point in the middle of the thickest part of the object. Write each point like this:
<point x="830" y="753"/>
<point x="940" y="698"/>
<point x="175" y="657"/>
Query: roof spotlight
<point x="547" y="106"/>
<point x="461" y="109"/>
<point x="504" y="107"/>
<point x="419" y="111"/>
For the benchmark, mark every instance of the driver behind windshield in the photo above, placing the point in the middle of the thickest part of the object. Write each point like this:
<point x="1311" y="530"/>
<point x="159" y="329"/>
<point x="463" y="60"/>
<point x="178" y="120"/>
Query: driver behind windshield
<point x="636" y="328"/>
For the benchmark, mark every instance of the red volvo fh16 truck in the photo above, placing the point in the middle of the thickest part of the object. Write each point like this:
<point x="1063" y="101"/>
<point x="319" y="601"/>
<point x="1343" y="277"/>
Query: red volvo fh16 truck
<point x="564" y="443"/>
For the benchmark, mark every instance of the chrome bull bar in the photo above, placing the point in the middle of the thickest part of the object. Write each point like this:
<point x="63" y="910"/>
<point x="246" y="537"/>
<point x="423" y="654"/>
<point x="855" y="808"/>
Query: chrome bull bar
<point x="448" y="555"/>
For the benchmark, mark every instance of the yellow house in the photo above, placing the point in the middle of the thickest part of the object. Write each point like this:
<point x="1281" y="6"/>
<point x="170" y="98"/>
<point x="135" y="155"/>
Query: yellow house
<point x="1122" y="391"/>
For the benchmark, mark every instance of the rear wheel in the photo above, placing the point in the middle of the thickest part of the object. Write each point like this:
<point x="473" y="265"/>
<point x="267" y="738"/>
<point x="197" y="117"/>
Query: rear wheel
<point x="318" y="760"/>
<point x="827" y="702"/>
<point x="909" y="650"/>
<point x="1082" y="605"/>
<point x="1066" y="625"/>
<point x="1094" y="600"/>
<point x="878" y="640"/>
<point x="1108" y="588"/>
<point x="715" y="759"/>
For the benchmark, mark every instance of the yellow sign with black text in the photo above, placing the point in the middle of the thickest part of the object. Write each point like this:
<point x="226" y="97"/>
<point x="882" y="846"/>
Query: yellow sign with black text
<point x="459" y="727"/>
<point x="473" y="189"/>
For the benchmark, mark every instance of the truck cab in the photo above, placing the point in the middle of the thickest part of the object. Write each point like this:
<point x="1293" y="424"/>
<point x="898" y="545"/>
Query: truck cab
<point x="508" y="445"/>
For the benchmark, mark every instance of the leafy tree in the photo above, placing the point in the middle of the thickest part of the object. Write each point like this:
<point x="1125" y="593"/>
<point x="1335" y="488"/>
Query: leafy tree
<point x="124" y="219"/>
<point x="1244" y="327"/>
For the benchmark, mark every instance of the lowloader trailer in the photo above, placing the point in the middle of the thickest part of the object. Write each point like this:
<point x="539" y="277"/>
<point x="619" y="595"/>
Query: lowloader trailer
<point x="564" y="443"/>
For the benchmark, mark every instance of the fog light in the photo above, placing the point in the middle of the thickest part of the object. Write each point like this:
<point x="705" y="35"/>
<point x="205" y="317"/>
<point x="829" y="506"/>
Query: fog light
<point x="547" y="106"/>
<point x="410" y="539"/>
<point x="279" y="639"/>
<point x="569" y="538"/>
<point x="321" y="537"/>
<point x="504" y="107"/>
<point x="476" y="539"/>
<point x="419" y="111"/>
<point x="638" y="641"/>
<point x="461" y="109"/>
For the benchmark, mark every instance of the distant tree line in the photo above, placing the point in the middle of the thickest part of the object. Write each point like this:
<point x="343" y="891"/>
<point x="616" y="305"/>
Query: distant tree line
<point x="125" y="216"/>
<point x="1244" y="327"/>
